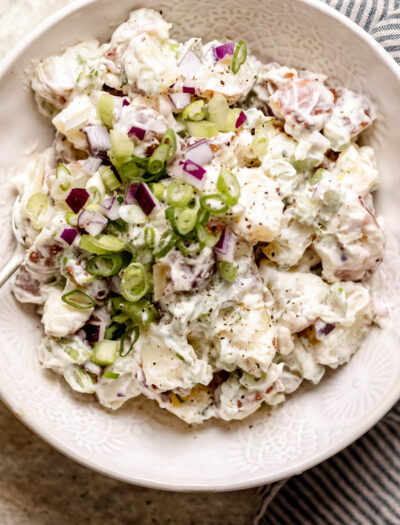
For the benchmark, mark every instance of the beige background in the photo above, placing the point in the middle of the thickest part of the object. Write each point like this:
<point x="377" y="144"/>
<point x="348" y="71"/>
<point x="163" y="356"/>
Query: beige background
<point x="38" y="485"/>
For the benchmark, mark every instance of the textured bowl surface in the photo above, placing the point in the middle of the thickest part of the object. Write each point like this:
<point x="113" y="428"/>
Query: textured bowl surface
<point x="141" y="443"/>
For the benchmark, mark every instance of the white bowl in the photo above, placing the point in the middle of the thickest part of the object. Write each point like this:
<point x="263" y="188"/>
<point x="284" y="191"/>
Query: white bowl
<point x="141" y="443"/>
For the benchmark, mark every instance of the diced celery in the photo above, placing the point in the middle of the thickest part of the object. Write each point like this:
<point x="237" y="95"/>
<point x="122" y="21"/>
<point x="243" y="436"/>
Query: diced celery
<point x="231" y="119"/>
<point x="218" y="111"/>
<point x="104" y="352"/>
<point x="105" y="109"/>
<point x="109" y="178"/>
<point x="202" y="130"/>
<point x="121" y="147"/>
<point x="194" y="111"/>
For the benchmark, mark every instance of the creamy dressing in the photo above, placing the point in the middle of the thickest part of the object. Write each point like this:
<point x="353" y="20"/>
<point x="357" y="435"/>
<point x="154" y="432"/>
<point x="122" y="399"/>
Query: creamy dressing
<point x="216" y="338"/>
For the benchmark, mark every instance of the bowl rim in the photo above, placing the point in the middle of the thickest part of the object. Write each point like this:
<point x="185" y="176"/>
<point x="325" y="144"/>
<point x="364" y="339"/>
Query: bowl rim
<point x="251" y="481"/>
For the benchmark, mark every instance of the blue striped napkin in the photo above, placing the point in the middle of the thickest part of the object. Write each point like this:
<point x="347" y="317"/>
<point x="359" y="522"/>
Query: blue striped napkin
<point x="361" y="485"/>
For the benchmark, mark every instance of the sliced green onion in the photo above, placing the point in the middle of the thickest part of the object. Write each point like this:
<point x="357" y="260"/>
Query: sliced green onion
<point x="134" y="282"/>
<point x="104" y="265"/>
<point x="187" y="247"/>
<point x="108" y="374"/>
<point x="205" y="237"/>
<point x="149" y="236"/>
<point x="239" y="56"/>
<point x="186" y="221"/>
<point x="120" y="319"/>
<point x="203" y="215"/>
<point x="104" y="352"/>
<point x="96" y="189"/>
<point x="115" y="330"/>
<point x="228" y="271"/>
<point x="142" y="162"/>
<point x="109" y="178"/>
<point x="71" y="218"/>
<point x="194" y="111"/>
<point x="63" y="176"/>
<point x="229" y="186"/>
<point x="169" y="139"/>
<point x="105" y="109"/>
<point x="140" y="312"/>
<point x="214" y="203"/>
<point x="36" y="207"/>
<point x="170" y="215"/>
<point x="158" y="189"/>
<point x="158" y="158"/>
<point x="78" y="379"/>
<point x="101" y="245"/>
<point x="136" y="337"/>
<point x="130" y="170"/>
<point x="121" y="147"/>
<point x="179" y="194"/>
<point x="78" y="299"/>
<point x="167" y="242"/>
<point x="202" y="130"/>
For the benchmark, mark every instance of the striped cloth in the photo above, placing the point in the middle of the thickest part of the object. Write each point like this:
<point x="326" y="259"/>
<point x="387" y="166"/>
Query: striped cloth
<point x="361" y="485"/>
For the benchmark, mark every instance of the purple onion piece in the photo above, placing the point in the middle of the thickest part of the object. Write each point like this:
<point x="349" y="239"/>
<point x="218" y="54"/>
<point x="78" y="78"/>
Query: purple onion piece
<point x="224" y="49"/>
<point x="190" y="64"/>
<point x="111" y="208"/>
<point x="225" y="247"/>
<point x="200" y="152"/>
<point x="180" y="100"/>
<point x="138" y="132"/>
<point x="91" y="165"/>
<point x="92" y="332"/>
<point x="322" y="329"/>
<point x="241" y="119"/>
<point x="193" y="169"/>
<point x="145" y="198"/>
<point x="68" y="235"/>
<point x="125" y="102"/>
<point x="98" y="139"/>
<point x="130" y="197"/>
<point x="188" y="89"/>
<point x="77" y="199"/>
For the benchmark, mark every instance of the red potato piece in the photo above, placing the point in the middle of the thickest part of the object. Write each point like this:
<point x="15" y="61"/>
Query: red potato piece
<point x="304" y="104"/>
<point x="27" y="287"/>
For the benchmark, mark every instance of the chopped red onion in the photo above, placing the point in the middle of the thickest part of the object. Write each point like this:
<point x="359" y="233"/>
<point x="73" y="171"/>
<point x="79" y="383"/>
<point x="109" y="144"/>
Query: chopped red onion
<point x="190" y="64"/>
<point x="98" y="139"/>
<point x="241" y="119"/>
<point x="125" y="102"/>
<point x="224" y="49"/>
<point x="68" y="235"/>
<point x="225" y="248"/>
<point x="77" y="199"/>
<point x="93" y="223"/>
<point x="180" y="100"/>
<point x="140" y="193"/>
<point x="138" y="132"/>
<point x="200" y="152"/>
<point x="91" y="165"/>
<point x="111" y="208"/>
<point x="188" y="89"/>
<point x="94" y="331"/>
<point x="131" y="193"/>
<point x="322" y="329"/>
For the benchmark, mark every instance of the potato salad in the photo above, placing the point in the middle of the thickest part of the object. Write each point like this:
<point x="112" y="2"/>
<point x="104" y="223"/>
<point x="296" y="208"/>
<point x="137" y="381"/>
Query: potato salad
<point x="201" y="228"/>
